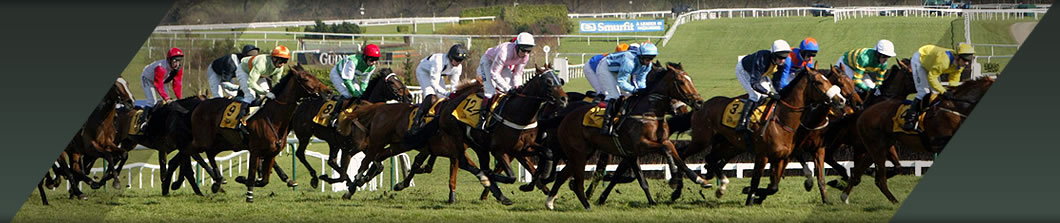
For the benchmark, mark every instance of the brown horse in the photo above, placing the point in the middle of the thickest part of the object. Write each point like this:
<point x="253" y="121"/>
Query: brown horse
<point x="384" y="87"/>
<point x="941" y="120"/>
<point x="96" y="139"/>
<point x="771" y="143"/>
<point x="268" y="128"/>
<point x="641" y="131"/>
<point x="817" y="120"/>
<point x="897" y="85"/>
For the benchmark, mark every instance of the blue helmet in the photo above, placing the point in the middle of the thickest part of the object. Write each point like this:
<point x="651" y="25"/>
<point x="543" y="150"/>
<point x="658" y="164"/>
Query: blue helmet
<point x="809" y="44"/>
<point x="648" y="49"/>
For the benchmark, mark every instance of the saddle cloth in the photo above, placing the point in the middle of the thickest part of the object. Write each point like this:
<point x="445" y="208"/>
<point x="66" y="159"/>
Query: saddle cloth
<point x="468" y="110"/>
<point x="733" y="111"/>
<point x="899" y="121"/>
<point x="134" y="124"/>
<point x="431" y="113"/>
<point x="325" y="112"/>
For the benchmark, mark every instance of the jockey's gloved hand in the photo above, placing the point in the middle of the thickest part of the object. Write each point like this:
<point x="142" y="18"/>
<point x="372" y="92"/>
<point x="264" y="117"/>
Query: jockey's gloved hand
<point x="774" y="95"/>
<point x="270" y="95"/>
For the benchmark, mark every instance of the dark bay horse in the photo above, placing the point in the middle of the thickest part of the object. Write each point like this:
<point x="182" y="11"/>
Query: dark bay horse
<point x="451" y="136"/>
<point x="643" y="131"/>
<point x="771" y="143"/>
<point x="941" y="120"/>
<point x="268" y="128"/>
<point x="384" y="87"/>
<point x="96" y="139"/>
<point x="168" y="129"/>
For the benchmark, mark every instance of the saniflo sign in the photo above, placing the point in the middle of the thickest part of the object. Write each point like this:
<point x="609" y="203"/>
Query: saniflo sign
<point x="621" y="26"/>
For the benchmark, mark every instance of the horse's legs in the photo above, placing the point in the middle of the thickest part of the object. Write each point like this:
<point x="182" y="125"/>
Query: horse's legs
<point x="40" y="190"/>
<point x="562" y="178"/>
<point x="881" y="174"/>
<point x="643" y="182"/>
<point x="271" y="165"/>
<point x="282" y="175"/>
<point x="210" y="169"/>
<point x="416" y="167"/>
<point x="777" y="166"/>
<point x="622" y="168"/>
<point x="164" y="176"/>
<point x="453" y="167"/>
<point x="861" y="163"/>
<point x="531" y="167"/>
<point x="818" y="161"/>
<point x="303" y="143"/>
<point x="893" y="157"/>
<point x="578" y="183"/>
<point x="756" y="177"/>
<point x="252" y="176"/>
<point x="806" y="171"/>
<point x="598" y="175"/>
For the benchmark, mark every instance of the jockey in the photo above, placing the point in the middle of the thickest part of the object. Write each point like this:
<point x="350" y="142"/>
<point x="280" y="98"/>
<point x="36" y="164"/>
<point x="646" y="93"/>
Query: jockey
<point x="430" y="72"/>
<point x="874" y="60"/>
<point x="614" y="73"/>
<point x="222" y="70"/>
<point x="800" y="58"/>
<point x="252" y="69"/>
<point x="754" y="72"/>
<point x="501" y="69"/>
<point x="590" y="73"/>
<point x="350" y="75"/>
<point x="155" y="75"/>
<point x="928" y="64"/>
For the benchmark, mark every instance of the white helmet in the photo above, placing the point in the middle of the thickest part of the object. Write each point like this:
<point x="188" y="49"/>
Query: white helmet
<point x="524" y="38"/>
<point x="885" y="47"/>
<point x="780" y="46"/>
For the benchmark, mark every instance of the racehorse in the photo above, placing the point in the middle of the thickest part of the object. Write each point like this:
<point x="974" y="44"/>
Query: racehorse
<point x="940" y="121"/>
<point x="168" y="129"/>
<point x="267" y="128"/>
<point x="450" y="135"/>
<point x="381" y="88"/>
<point x="641" y="131"/>
<point x="771" y="143"/>
<point x="96" y="139"/>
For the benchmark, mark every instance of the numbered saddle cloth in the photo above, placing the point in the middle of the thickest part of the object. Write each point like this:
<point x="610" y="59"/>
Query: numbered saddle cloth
<point x="325" y="112"/>
<point x="136" y="121"/>
<point x="594" y="118"/>
<point x="231" y="115"/>
<point x="899" y="121"/>
<point x="468" y="110"/>
<point x="431" y="113"/>
<point x="733" y="111"/>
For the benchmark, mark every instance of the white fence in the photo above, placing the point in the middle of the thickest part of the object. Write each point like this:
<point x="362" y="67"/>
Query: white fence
<point x="917" y="165"/>
<point x="238" y="161"/>
<point x="359" y="22"/>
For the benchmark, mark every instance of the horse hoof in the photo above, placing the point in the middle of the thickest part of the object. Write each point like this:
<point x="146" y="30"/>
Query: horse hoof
<point x="837" y="184"/>
<point x="808" y="185"/>
<point x="215" y="188"/>
<point x="845" y="198"/>
<point x="175" y="186"/>
<point x="347" y="195"/>
<point x="675" y="195"/>
<point x="241" y="179"/>
<point x="315" y="183"/>
<point x="250" y="200"/>
<point x="550" y="203"/>
<point x="526" y="188"/>
<point x="95" y="186"/>
<point x="506" y="201"/>
<point x="399" y="187"/>
<point x="82" y="197"/>
<point x="291" y="183"/>
<point x="719" y="193"/>
<point x="452" y="197"/>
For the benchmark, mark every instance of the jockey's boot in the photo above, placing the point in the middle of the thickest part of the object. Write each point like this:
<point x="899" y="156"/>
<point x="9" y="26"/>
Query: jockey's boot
<point x="417" y="121"/>
<point x="911" y="115"/>
<point x="745" y="116"/>
<point x="243" y="112"/>
<point x="483" y="114"/>
<point x="337" y="111"/>
<point x="611" y="108"/>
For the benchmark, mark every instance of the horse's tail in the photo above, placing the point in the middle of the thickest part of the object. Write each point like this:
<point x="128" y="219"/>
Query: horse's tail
<point x="680" y="123"/>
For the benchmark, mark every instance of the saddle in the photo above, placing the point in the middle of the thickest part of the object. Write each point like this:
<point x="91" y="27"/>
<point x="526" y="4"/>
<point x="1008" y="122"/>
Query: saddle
<point x="898" y="121"/>
<point x="234" y="115"/>
<point x="428" y="117"/>
<point x="469" y="110"/>
<point x="734" y="111"/>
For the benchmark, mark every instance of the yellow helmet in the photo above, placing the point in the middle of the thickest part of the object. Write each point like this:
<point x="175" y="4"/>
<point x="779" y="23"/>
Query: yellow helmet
<point x="965" y="48"/>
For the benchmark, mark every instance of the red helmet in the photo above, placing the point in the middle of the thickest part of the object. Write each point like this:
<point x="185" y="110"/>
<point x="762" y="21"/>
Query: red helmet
<point x="174" y="52"/>
<point x="372" y="50"/>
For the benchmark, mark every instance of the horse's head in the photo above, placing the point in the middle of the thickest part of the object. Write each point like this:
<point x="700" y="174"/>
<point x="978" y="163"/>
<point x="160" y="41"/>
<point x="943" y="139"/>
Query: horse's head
<point x="547" y="85"/>
<point x="943" y="119"/>
<point x="898" y="82"/>
<point x="674" y="82"/>
<point x="298" y="84"/>
<point x="122" y="93"/>
<point x="387" y="86"/>
<point x="817" y="89"/>
<point x="846" y="85"/>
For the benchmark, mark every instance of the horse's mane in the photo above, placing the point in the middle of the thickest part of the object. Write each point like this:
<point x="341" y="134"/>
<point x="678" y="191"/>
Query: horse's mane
<point x="973" y="89"/>
<point x="373" y="83"/>
<point x="656" y="74"/>
<point x="281" y="85"/>
<point x="466" y="86"/>
<point x="798" y="77"/>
